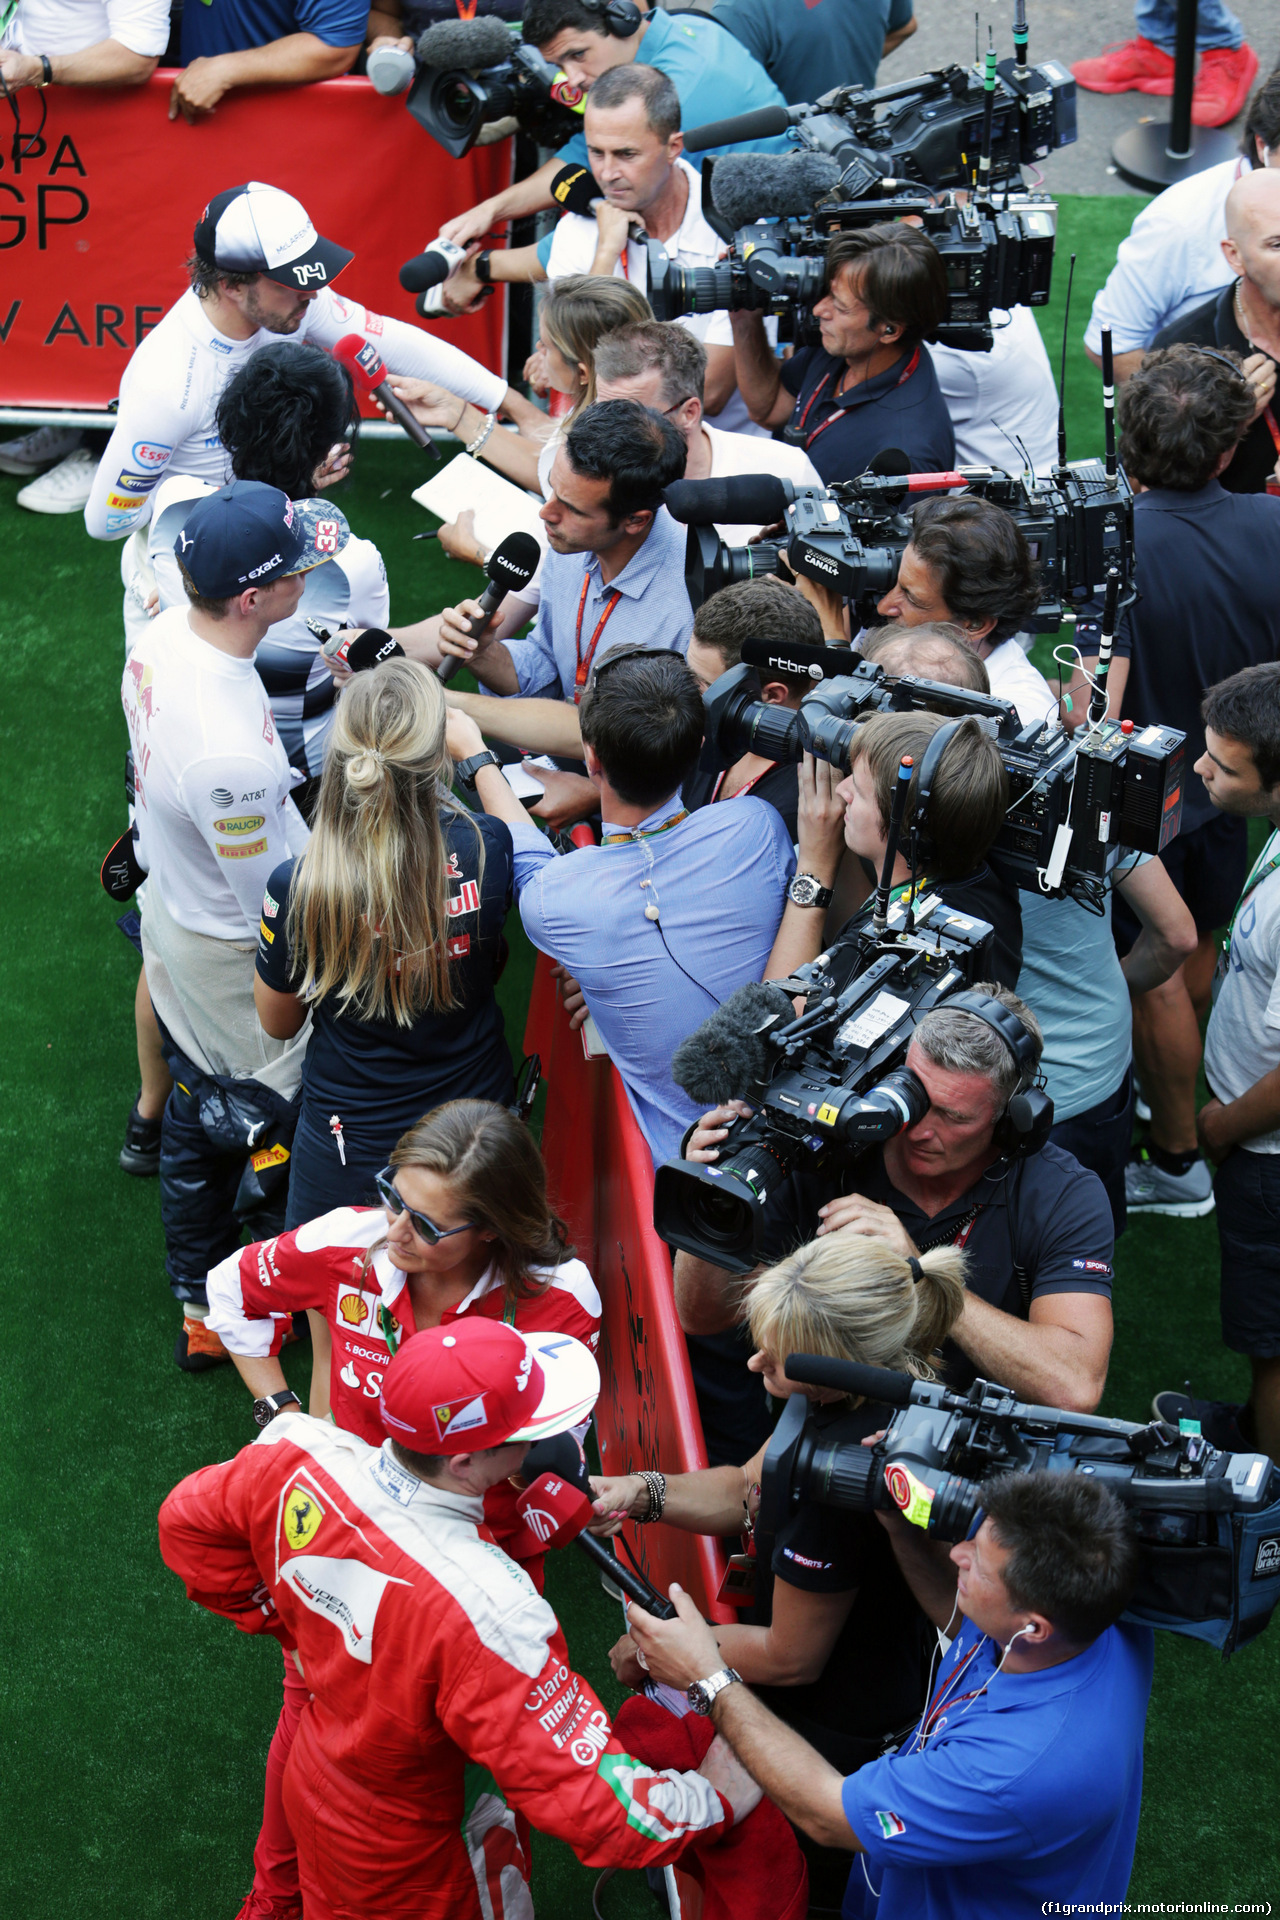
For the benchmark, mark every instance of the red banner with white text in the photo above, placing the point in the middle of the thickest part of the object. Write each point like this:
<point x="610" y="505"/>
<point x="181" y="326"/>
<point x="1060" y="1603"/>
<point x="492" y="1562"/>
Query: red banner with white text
<point x="96" y="222"/>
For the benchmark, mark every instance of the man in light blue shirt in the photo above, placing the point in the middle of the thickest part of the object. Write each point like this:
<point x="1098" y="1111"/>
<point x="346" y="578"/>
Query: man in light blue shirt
<point x="713" y="73"/>
<point x="1019" y="1790"/>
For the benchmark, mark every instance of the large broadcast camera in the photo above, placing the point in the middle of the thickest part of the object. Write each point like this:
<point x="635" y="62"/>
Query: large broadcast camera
<point x="868" y="154"/>
<point x="1208" y="1523"/>
<point x="477" y="82"/>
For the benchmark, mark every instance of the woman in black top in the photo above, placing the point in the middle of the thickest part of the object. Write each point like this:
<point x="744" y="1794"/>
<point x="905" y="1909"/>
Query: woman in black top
<point x="835" y="1642"/>
<point x="388" y="932"/>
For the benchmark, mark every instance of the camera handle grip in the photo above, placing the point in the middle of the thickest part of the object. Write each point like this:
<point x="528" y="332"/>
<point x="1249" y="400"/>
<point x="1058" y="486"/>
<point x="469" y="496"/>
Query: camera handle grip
<point x="631" y="1583"/>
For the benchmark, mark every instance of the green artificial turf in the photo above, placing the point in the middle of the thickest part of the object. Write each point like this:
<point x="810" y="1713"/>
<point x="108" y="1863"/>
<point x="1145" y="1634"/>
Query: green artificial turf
<point x="135" y="1726"/>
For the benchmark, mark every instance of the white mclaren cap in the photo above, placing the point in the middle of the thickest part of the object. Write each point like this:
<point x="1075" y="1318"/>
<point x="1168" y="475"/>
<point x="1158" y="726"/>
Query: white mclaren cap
<point x="261" y="229"/>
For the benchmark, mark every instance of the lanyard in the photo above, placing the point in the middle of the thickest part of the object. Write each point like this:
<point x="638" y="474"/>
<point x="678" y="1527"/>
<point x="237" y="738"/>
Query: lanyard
<point x="1266" y="863"/>
<point x="945" y="1698"/>
<point x="584" y="666"/>
<point x="644" y="833"/>
<point x="904" y="376"/>
<point x="744" y="788"/>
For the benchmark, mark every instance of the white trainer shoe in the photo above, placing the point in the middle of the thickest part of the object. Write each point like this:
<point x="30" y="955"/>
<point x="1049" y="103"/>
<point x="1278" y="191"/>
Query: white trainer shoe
<point x="65" y="488"/>
<point x="42" y="447"/>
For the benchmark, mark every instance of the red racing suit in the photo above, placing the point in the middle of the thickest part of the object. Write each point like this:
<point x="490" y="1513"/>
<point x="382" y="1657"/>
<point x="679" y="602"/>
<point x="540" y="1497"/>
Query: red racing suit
<point x="254" y="1292"/>
<point x="423" y="1645"/>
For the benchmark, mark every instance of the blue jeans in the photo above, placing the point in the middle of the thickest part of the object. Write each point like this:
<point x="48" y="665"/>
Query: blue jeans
<point x="1216" y="25"/>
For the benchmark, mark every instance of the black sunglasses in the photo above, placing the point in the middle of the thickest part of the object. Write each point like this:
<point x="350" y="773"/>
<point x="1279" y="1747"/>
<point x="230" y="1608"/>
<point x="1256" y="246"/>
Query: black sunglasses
<point x="425" y="1229"/>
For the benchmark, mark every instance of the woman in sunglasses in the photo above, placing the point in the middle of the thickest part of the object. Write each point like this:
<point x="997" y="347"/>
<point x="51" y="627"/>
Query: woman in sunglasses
<point x="388" y="932"/>
<point x="465" y="1228"/>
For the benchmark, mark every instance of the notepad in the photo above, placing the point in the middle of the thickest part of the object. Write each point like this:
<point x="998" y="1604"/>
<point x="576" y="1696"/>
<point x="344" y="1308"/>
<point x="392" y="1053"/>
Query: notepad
<point x="500" y="507"/>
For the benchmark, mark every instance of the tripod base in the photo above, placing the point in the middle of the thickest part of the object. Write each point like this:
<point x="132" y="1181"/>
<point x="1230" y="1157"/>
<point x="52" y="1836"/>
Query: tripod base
<point x="1142" y="154"/>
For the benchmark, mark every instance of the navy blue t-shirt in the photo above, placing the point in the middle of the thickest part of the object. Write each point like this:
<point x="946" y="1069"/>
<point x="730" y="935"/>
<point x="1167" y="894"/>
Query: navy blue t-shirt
<point x="808" y="46"/>
<point x="234" y="26"/>
<point x="1024" y="1800"/>
<point x="382" y="1076"/>
<point x="842" y="434"/>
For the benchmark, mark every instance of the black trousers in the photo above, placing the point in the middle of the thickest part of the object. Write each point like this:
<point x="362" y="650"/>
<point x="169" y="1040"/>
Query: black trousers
<point x="1100" y="1138"/>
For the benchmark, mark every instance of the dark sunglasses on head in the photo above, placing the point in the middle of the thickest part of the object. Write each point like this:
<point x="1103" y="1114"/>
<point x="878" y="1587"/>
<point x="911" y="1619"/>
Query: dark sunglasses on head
<point x="425" y="1229"/>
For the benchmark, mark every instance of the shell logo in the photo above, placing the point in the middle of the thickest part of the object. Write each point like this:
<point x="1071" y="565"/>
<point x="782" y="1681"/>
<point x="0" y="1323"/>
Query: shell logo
<point x="353" y="1308"/>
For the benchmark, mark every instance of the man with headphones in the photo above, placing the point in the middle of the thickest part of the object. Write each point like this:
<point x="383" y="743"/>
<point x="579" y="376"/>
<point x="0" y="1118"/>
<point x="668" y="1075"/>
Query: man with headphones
<point x="977" y="1171"/>
<point x="712" y="71"/>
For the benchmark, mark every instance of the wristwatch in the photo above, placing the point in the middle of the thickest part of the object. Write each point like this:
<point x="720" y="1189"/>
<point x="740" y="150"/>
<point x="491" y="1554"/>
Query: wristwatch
<point x="266" y="1409"/>
<point x="482" y="269"/>
<point x="466" y="770"/>
<point x="805" y="891"/>
<point x="703" y="1692"/>
<point x="46" y="73"/>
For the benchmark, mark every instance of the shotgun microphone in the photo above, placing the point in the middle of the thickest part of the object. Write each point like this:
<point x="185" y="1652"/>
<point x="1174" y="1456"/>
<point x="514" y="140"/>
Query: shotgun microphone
<point x="510" y="566"/>
<point x="368" y="371"/>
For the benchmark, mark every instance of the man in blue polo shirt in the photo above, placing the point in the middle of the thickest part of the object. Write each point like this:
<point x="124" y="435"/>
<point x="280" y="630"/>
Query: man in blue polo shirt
<point x="1019" y="1790"/>
<point x="261" y="43"/>
<point x="714" y="76"/>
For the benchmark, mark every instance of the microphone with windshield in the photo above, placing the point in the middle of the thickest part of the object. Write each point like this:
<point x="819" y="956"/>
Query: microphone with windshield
<point x="762" y="124"/>
<point x="368" y="371"/>
<point x="757" y="499"/>
<point x="746" y="187"/>
<point x="726" y="1058"/>
<point x="469" y="44"/>
<point x="510" y="566"/>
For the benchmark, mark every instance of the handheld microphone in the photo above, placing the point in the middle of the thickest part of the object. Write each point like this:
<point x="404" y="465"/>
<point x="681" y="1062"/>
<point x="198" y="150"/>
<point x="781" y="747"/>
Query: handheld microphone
<point x="561" y="1456"/>
<point x="726" y="1057"/>
<point x="552" y="1513"/>
<point x="756" y="499"/>
<point x="510" y="566"/>
<point x="360" y="651"/>
<point x="746" y="187"/>
<point x="428" y="268"/>
<point x="470" y="44"/>
<point x="369" y="372"/>
<point x="575" y="190"/>
<point x="763" y="124"/>
<point x="390" y="69"/>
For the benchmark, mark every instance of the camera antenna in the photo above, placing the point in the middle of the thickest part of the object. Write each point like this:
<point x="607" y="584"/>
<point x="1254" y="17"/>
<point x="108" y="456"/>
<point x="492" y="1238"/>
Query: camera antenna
<point x="880" y="914"/>
<point x="1020" y="39"/>
<point x="1062" y="376"/>
<point x="1111" y="601"/>
<point x="988" y="108"/>
<point x="1109" y="406"/>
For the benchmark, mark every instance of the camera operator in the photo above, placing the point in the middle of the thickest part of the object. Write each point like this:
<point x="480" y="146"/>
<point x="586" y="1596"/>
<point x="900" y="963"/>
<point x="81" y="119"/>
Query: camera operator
<point x="968" y="562"/>
<point x="713" y="74"/>
<point x="1239" y="1127"/>
<point x="1245" y="319"/>
<point x="1036" y="1228"/>
<point x="721" y="624"/>
<point x="871" y="384"/>
<point x="1207" y="562"/>
<point x="832" y="1640"/>
<point x="657" y="926"/>
<point x="1173" y="259"/>
<point x="1020" y="1789"/>
<point x="214" y="816"/>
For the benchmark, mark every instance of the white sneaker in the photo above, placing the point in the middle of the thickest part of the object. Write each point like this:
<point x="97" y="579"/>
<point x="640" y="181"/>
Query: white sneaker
<point x="65" y="488"/>
<point x="41" y="448"/>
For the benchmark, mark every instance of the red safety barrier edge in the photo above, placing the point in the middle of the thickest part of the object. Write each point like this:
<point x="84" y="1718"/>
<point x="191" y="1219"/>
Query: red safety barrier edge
<point x="600" y="1173"/>
<point x="96" y="221"/>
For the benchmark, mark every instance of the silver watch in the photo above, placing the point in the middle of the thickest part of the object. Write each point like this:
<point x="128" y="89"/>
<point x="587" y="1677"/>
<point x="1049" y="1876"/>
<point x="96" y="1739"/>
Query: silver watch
<point x="807" y="891"/>
<point x="703" y="1692"/>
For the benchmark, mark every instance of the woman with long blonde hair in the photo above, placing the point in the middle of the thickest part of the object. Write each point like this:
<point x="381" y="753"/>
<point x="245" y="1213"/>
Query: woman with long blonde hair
<point x="833" y="1639"/>
<point x="388" y="930"/>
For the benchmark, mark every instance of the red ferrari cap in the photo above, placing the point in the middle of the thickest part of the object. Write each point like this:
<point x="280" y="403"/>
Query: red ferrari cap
<point x="479" y="1383"/>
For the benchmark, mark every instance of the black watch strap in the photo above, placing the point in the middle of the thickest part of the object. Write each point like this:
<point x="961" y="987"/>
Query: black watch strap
<point x="482" y="269"/>
<point x="466" y="770"/>
<point x="266" y="1409"/>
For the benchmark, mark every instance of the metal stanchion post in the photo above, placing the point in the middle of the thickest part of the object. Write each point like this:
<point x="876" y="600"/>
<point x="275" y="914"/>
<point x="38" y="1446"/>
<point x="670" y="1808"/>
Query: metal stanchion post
<point x="1156" y="154"/>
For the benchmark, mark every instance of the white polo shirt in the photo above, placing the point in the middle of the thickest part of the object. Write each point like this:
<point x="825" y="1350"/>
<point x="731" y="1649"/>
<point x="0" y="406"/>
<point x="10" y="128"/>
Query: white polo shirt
<point x="999" y="398"/>
<point x="1171" y="262"/>
<point x="1013" y="678"/>
<point x="69" y="26"/>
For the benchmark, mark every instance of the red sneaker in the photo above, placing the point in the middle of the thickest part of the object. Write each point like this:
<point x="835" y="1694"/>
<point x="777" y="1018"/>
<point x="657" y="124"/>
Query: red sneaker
<point x="1135" y="66"/>
<point x="1222" y="85"/>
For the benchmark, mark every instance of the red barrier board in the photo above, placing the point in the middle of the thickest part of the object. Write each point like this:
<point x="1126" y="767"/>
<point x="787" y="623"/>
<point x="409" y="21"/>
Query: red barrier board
<point x="96" y="224"/>
<point x="600" y="1174"/>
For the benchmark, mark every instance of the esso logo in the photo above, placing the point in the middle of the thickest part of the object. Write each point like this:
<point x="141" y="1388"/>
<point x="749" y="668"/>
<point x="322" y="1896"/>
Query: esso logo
<point x="148" y="456"/>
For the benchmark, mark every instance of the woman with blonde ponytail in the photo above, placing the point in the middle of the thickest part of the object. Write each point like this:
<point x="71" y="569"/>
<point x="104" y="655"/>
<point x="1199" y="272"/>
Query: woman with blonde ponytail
<point x="831" y="1638"/>
<point x="389" y="930"/>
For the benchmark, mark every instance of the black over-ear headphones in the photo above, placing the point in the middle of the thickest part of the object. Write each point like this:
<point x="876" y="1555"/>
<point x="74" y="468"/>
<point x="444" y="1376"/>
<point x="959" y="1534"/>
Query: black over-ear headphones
<point x="621" y="18"/>
<point x="919" y="827"/>
<point x="1025" y="1125"/>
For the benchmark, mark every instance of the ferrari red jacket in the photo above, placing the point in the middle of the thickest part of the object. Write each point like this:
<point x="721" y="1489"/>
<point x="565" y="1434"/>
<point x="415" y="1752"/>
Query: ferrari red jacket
<point x="424" y="1646"/>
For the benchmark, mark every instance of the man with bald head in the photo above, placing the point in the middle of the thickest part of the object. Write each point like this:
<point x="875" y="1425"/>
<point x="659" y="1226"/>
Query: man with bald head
<point x="937" y="650"/>
<point x="1245" y="317"/>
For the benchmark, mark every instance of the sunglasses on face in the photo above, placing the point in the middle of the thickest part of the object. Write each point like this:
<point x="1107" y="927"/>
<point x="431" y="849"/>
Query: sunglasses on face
<point x="425" y="1229"/>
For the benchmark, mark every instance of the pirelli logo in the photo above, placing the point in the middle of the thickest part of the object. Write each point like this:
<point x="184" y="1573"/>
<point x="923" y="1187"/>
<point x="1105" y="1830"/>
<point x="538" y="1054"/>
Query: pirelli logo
<point x="246" y="852"/>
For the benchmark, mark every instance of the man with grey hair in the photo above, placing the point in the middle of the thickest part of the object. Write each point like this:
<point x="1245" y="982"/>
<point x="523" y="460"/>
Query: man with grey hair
<point x="1035" y="1227"/>
<point x="936" y="651"/>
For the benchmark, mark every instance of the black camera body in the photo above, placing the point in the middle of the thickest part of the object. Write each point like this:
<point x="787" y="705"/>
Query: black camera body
<point x="994" y="257"/>
<point x="836" y="1083"/>
<point x="454" y="104"/>
<point x="1078" y="803"/>
<point x="1208" y="1523"/>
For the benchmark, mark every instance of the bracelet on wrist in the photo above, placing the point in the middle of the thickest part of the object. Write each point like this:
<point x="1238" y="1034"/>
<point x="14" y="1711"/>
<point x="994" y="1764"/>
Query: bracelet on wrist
<point x="476" y="446"/>
<point x="656" y="1482"/>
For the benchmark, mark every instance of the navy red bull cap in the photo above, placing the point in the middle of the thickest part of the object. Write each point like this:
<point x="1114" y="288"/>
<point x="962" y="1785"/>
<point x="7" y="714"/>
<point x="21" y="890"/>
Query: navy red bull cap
<point x="479" y="1383"/>
<point x="248" y="534"/>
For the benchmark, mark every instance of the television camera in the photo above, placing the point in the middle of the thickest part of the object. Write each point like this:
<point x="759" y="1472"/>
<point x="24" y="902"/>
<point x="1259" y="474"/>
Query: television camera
<point x="477" y="82"/>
